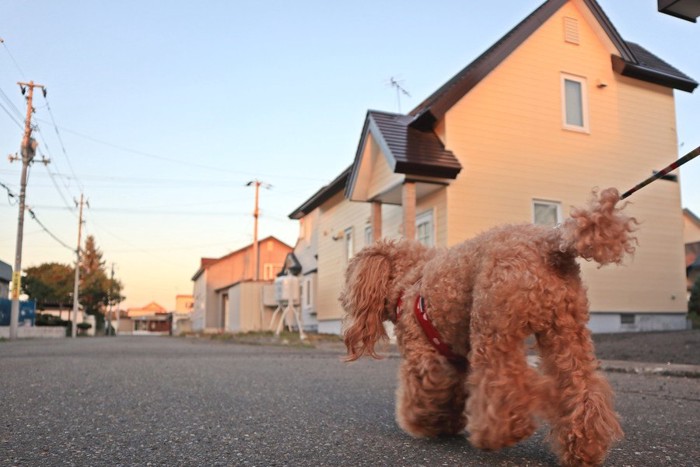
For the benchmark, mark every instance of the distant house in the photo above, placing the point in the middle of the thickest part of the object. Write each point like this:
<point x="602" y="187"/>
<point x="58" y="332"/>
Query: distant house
<point x="5" y="279"/>
<point x="226" y="295"/>
<point x="151" y="319"/>
<point x="691" y="238"/>
<point x="184" y="303"/>
<point x="182" y="315"/>
<point x="559" y="105"/>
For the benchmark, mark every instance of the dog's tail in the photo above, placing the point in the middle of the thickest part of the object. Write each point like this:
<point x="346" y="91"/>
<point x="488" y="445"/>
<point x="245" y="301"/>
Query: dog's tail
<point x="599" y="232"/>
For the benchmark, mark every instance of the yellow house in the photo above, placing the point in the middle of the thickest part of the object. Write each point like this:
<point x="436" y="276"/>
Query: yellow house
<point x="559" y="105"/>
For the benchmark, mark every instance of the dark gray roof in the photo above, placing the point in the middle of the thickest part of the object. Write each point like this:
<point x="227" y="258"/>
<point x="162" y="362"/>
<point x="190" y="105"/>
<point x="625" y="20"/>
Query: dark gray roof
<point x="416" y="152"/>
<point x="322" y="195"/>
<point x="648" y="67"/>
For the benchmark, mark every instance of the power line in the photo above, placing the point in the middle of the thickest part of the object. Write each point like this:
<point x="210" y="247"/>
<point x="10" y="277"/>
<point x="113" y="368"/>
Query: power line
<point x="11" y="194"/>
<point x="14" y="113"/>
<point x="19" y="68"/>
<point x="60" y="140"/>
<point x="60" y="193"/>
<point x="31" y="212"/>
<point x="173" y="160"/>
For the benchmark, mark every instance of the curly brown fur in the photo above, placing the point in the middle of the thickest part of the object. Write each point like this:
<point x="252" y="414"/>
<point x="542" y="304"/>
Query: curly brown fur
<point x="485" y="296"/>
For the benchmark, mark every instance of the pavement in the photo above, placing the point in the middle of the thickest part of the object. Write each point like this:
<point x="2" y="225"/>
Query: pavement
<point x="139" y="400"/>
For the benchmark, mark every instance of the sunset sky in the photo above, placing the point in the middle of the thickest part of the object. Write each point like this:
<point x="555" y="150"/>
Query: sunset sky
<point x="161" y="112"/>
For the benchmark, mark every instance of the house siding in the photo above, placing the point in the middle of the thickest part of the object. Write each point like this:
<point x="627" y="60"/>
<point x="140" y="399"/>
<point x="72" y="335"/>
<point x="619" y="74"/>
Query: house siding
<point x="336" y="216"/>
<point x="513" y="119"/>
<point x="382" y="176"/>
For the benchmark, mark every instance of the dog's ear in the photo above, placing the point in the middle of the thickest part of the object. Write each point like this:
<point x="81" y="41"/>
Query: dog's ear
<point x="364" y="297"/>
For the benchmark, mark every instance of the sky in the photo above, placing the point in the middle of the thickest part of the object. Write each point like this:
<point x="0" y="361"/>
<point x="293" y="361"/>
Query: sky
<point x="159" y="113"/>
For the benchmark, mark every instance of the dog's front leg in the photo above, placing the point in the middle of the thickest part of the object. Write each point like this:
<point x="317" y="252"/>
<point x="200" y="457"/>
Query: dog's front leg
<point x="431" y="394"/>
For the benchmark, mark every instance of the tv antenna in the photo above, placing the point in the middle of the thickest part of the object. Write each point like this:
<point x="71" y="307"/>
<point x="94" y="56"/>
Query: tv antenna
<point x="394" y="83"/>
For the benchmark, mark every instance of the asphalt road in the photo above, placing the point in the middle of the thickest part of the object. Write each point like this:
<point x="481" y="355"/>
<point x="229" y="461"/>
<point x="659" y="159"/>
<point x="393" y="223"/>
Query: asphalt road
<point x="175" y="401"/>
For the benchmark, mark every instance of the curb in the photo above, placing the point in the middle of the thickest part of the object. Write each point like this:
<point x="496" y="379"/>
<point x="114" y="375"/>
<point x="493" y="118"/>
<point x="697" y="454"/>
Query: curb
<point x="663" y="369"/>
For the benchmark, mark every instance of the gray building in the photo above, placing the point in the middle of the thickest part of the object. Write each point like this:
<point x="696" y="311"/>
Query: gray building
<point x="5" y="278"/>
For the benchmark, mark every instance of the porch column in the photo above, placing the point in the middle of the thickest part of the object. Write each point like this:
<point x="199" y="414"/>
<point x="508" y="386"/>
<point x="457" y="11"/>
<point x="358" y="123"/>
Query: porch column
<point x="376" y="220"/>
<point x="408" y="201"/>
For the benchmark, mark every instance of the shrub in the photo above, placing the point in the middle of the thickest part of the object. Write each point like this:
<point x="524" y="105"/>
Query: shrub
<point x="694" y="302"/>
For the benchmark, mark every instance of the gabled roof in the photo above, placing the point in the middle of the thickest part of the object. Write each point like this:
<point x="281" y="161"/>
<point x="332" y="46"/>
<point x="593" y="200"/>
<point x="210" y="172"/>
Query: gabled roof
<point x="691" y="215"/>
<point x="291" y="265"/>
<point x="207" y="262"/>
<point x="412" y="151"/>
<point x="633" y="61"/>
<point x="322" y="195"/>
<point x="151" y="307"/>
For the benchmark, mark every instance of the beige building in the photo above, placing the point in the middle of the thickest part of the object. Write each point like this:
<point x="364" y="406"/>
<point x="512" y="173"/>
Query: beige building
<point x="184" y="304"/>
<point x="559" y="105"/>
<point x="224" y="299"/>
<point x="152" y="319"/>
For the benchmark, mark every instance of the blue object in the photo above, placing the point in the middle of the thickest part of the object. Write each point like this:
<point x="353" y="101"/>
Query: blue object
<point x="27" y="312"/>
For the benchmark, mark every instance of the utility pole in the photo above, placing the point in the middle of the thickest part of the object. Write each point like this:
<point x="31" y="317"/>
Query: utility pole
<point x="77" y="270"/>
<point x="256" y="214"/>
<point x="109" y="300"/>
<point x="28" y="150"/>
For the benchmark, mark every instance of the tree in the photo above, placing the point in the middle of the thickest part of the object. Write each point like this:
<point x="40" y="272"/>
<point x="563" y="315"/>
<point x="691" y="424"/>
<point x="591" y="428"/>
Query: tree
<point x="95" y="287"/>
<point x="694" y="302"/>
<point x="50" y="284"/>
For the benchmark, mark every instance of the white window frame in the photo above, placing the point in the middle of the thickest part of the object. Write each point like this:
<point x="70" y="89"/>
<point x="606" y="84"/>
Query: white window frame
<point x="268" y="271"/>
<point x="429" y="218"/>
<point x="307" y="292"/>
<point x="368" y="235"/>
<point x="349" y="243"/>
<point x="584" y="127"/>
<point x="555" y="204"/>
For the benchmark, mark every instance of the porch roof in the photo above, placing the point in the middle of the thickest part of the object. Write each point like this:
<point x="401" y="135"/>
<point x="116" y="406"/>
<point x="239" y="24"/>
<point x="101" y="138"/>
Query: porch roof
<point x="409" y="151"/>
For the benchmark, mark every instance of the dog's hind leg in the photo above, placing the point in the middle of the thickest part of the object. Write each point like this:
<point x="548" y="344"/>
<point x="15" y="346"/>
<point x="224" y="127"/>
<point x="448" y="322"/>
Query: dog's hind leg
<point x="504" y="392"/>
<point x="584" y="423"/>
<point x="431" y="394"/>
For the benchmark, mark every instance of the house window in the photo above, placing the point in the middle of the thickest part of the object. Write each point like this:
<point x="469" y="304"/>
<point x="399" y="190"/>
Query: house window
<point x="574" y="101"/>
<point x="368" y="235"/>
<point x="546" y="212"/>
<point x="425" y="231"/>
<point x="627" y="318"/>
<point x="270" y="271"/>
<point x="349" y="247"/>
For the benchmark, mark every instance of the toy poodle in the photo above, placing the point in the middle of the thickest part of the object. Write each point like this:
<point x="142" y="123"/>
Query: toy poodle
<point x="462" y="315"/>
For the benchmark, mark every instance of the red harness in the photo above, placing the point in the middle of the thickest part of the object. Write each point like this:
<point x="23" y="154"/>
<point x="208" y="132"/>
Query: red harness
<point x="432" y="334"/>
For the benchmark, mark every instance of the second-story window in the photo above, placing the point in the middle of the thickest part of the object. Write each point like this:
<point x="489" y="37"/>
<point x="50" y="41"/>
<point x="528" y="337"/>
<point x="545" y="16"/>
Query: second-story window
<point x="574" y="103"/>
